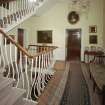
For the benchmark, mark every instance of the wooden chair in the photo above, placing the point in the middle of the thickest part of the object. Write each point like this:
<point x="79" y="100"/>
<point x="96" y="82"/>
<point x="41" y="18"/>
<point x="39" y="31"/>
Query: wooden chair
<point x="8" y="18"/>
<point x="1" y="23"/>
<point x="97" y="75"/>
<point x="5" y="21"/>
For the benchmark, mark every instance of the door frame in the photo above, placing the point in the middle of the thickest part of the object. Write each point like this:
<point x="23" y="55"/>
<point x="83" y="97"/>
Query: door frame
<point x="66" y="41"/>
<point x="18" y="54"/>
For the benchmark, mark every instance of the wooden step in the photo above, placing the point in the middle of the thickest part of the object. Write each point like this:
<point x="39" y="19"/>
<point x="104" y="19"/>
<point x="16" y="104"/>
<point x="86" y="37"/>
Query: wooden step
<point x="1" y="71"/>
<point x="5" y="82"/>
<point x="29" y="102"/>
<point x="14" y="95"/>
<point x="26" y="102"/>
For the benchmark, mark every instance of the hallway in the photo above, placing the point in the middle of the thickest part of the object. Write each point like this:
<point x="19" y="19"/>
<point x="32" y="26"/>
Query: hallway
<point x="76" y="91"/>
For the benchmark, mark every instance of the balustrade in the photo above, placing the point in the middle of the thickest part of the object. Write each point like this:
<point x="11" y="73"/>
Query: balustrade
<point x="31" y="72"/>
<point x="11" y="12"/>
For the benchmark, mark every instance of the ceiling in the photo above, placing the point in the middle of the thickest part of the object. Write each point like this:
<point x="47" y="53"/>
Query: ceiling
<point x="48" y="5"/>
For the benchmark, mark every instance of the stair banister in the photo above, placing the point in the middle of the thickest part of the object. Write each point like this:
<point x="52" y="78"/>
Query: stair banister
<point x="31" y="72"/>
<point x="16" y="44"/>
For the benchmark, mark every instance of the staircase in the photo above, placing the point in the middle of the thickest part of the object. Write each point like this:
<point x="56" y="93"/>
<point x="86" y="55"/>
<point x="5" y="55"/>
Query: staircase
<point x="14" y="12"/>
<point x="10" y="95"/>
<point x="23" y="81"/>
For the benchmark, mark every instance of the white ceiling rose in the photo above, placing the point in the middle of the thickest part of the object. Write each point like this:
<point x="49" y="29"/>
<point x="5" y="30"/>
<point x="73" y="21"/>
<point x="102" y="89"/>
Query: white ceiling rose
<point x="81" y="6"/>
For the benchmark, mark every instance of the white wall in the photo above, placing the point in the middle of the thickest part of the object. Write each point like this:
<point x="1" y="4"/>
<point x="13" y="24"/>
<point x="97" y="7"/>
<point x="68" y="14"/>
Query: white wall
<point x="56" y="19"/>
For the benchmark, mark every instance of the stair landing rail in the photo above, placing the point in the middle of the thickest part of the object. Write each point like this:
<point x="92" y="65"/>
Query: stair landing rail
<point x="31" y="72"/>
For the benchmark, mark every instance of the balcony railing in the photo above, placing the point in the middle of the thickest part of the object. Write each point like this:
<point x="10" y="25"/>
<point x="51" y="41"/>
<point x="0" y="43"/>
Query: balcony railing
<point x="31" y="72"/>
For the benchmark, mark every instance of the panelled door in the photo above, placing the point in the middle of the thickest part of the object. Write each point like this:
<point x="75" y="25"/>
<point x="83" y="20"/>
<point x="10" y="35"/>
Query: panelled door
<point x="74" y="44"/>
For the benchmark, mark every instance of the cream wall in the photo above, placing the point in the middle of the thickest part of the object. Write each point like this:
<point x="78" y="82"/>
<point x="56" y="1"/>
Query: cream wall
<point x="27" y="26"/>
<point x="56" y="19"/>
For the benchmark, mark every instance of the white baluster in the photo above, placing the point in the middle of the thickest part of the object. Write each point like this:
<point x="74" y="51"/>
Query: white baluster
<point x="27" y="78"/>
<point x="21" y="69"/>
<point x="46" y="61"/>
<point x="2" y="57"/>
<point x="2" y="15"/>
<point x="38" y="77"/>
<point x="17" y="10"/>
<point x="6" y="55"/>
<point x="13" y="71"/>
<point x="25" y="7"/>
<point x="31" y="69"/>
<point x="44" y="65"/>
<point x="9" y="13"/>
<point x="1" y="11"/>
<point x="52" y="59"/>
<point x="35" y="82"/>
<point x="8" y="9"/>
<point x="22" y="7"/>
<point x="6" y="5"/>
<point x="28" y="5"/>
<point x="12" y="6"/>
<point x="43" y="74"/>
<point x="17" y="70"/>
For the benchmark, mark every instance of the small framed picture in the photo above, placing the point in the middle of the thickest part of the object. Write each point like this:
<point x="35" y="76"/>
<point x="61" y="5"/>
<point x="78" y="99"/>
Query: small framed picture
<point x="93" y="39"/>
<point x="93" y="29"/>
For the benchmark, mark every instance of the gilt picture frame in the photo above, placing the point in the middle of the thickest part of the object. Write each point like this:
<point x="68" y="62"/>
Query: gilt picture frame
<point x="93" y="39"/>
<point x="93" y="29"/>
<point x="44" y="36"/>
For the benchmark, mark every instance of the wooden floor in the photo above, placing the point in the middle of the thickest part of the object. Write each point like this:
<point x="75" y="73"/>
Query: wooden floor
<point x="79" y="70"/>
<point x="75" y="90"/>
<point x="95" y="98"/>
<point x="76" y="79"/>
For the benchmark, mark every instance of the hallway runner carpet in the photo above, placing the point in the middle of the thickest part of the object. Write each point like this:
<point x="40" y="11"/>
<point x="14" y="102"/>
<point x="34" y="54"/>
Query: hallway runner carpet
<point x="76" y="90"/>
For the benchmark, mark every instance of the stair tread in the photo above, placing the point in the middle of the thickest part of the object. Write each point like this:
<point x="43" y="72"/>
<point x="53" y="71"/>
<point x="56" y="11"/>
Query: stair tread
<point x="29" y="102"/>
<point x="12" y="97"/>
<point x="2" y="70"/>
<point x="4" y="82"/>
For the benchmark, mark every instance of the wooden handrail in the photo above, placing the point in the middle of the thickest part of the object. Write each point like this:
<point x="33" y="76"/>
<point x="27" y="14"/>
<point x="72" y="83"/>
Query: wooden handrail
<point x="24" y="51"/>
<point x="33" y="45"/>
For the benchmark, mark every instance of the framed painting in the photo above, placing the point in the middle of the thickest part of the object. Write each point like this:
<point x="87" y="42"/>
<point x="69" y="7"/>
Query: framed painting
<point x="93" y="29"/>
<point x="44" y="36"/>
<point x="93" y="39"/>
